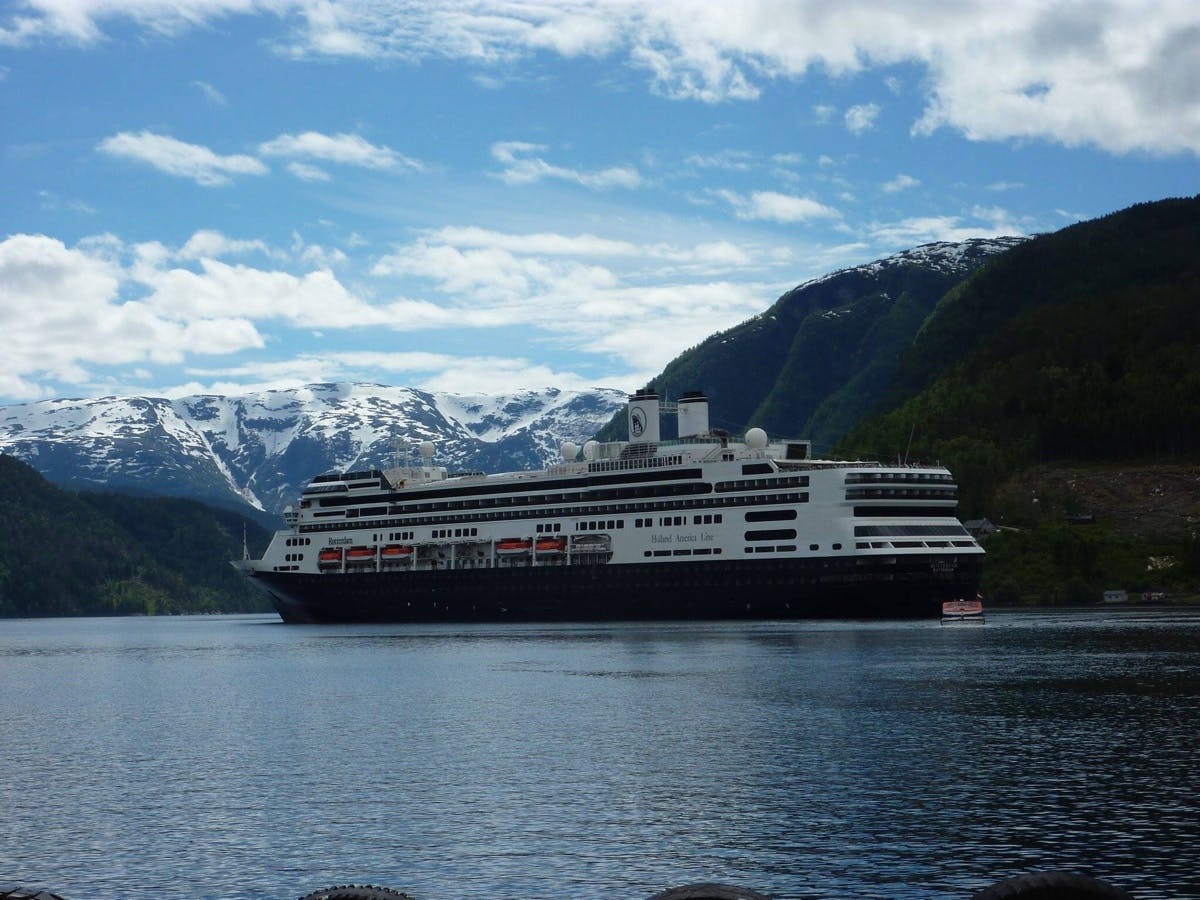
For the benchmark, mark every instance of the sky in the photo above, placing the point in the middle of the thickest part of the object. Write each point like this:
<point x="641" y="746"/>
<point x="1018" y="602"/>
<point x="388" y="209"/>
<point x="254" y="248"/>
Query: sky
<point x="483" y="196"/>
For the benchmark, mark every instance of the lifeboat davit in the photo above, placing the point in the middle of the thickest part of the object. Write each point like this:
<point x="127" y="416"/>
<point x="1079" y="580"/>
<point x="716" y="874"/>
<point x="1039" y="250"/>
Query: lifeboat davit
<point x="510" y="546"/>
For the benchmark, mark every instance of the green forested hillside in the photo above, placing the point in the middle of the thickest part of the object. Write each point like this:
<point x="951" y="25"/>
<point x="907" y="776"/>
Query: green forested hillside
<point x="1082" y="345"/>
<point x="1076" y="352"/>
<point x="825" y="352"/>
<point x="65" y="554"/>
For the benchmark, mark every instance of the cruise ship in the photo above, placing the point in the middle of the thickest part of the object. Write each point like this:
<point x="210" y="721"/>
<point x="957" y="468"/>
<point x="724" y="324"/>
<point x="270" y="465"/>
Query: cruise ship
<point x="704" y="526"/>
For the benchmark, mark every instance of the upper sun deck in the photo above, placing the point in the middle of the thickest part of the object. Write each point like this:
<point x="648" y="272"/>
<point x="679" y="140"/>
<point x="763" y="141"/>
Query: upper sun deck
<point x="645" y="452"/>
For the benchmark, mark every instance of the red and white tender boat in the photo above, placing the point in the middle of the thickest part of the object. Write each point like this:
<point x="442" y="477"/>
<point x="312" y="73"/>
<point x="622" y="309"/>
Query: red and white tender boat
<point x="960" y="610"/>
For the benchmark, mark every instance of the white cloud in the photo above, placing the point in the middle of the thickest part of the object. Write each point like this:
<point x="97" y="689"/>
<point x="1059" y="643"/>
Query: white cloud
<point x="593" y="295"/>
<point x="862" y="118"/>
<point x="430" y="371"/>
<point x="315" y="254"/>
<point x="522" y="168"/>
<point x="707" y="76"/>
<point x="983" y="222"/>
<point x="823" y="113"/>
<point x="61" y="313"/>
<point x="901" y="182"/>
<point x="176" y="157"/>
<point x="305" y="172"/>
<point x="213" y="244"/>
<point x="732" y="160"/>
<point x="345" y="149"/>
<point x="102" y="304"/>
<point x="1118" y="75"/>
<point x="776" y="207"/>
<point x="211" y="94"/>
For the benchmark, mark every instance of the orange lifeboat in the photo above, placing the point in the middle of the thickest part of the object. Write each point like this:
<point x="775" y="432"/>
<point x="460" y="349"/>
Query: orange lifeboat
<point x="360" y="554"/>
<point x="396" y="551"/>
<point x="513" y="545"/>
<point x="551" y="545"/>
<point x="330" y="555"/>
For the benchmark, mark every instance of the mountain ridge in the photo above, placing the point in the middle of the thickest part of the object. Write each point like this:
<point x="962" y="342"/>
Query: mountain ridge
<point x="258" y="449"/>
<point x="823" y="353"/>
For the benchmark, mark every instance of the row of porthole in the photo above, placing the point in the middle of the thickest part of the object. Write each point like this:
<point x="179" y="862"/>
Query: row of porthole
<point x="787" y="548"/>
<point x="458" y="532"/>
<point x="298" y="542"/>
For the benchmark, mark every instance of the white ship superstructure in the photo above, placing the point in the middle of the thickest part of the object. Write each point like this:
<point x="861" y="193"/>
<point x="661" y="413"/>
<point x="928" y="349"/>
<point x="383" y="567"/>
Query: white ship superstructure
<point x="702" y="526"/>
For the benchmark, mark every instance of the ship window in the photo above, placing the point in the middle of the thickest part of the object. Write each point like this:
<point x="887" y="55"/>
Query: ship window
<point x="771" y="534"/>
<point x="682" y="552"/>
<point x="645" y="553"/>
<point x="701" y="551"/>
<point x="764" y="549"/>
<point x="814" y="546"/>
<point x="786" y="548"/>
<point x="837" y="546"/>
<point x="770" y="515"/>
<point x="662" y="552"/>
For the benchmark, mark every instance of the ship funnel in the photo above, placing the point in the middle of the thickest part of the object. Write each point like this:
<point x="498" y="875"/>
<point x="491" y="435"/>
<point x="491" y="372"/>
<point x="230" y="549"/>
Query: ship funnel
<point x="643" y="418"/>
<point x="693" y="414"/>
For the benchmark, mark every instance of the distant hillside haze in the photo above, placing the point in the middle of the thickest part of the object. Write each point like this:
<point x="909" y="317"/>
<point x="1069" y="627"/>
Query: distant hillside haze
<point x="825" y="352"/>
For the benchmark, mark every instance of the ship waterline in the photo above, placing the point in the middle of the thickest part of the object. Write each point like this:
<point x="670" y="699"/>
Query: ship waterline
<point x="701" y="527"/>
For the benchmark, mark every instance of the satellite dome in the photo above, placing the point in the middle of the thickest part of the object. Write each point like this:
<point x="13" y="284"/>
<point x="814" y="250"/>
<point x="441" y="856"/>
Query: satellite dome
<point x="589" y="450"/>
<point x="756" y="439"/>
<point x="569" y="451"/>
<point x="427" y="449"/>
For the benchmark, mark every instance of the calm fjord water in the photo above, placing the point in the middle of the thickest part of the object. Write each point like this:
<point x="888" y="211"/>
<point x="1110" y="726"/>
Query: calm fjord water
<point x="239" y="758"/>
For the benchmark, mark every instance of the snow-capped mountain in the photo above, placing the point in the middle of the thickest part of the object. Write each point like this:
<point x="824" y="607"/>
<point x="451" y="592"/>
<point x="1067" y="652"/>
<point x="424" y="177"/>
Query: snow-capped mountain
<point x="944" y="257"/>
<point x="261" y="448"/>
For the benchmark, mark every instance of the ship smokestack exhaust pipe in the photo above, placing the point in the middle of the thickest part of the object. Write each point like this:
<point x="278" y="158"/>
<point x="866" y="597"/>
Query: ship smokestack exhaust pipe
<point x="693" y="414"/>
<point x="643" y="418"/>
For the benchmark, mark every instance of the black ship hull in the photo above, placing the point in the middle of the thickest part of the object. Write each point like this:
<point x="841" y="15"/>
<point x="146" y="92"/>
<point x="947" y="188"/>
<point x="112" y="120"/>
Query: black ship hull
<point x="903" y="586"/>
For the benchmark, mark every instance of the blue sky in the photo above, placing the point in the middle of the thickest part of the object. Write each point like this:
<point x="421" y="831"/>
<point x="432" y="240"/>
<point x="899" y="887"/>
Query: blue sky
<point x="229" y="195"/>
